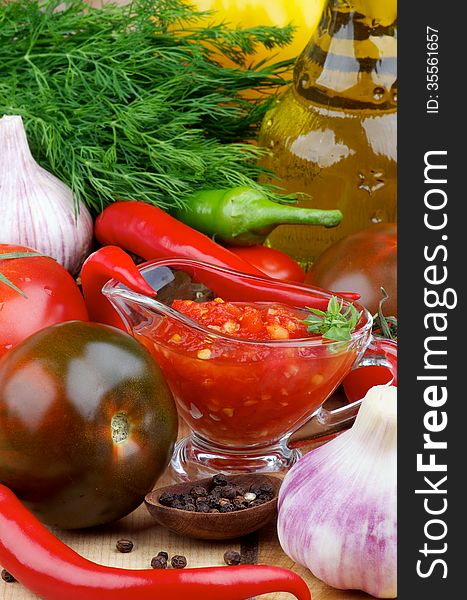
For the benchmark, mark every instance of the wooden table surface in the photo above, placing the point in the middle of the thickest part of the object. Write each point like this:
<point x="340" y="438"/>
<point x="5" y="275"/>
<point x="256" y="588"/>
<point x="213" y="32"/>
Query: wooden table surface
<point x="149" y="538"/>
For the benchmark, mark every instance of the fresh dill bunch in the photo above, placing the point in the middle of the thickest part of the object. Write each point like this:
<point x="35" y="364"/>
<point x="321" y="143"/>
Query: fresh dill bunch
<point x="133" y="102"/>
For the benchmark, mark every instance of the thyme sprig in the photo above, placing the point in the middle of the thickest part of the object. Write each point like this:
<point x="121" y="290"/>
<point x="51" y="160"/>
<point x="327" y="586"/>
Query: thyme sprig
<point x="334" y="323"/>
<point x="385" y="327"/>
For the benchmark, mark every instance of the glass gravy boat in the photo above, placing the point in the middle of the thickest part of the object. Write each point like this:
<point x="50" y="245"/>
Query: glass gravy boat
<point x="241" y="398"/>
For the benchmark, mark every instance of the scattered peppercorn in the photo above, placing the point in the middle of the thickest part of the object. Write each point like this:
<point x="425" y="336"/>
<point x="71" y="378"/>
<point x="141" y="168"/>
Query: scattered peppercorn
<point x="7" y="577"/>
<point x="164" y="555"/>
<point x="124" y="546"/>
<point x="220" y="495"/>
<point x="232" y="557"/>
<point x="159" y="562"/>
<point x="178" y="562"/>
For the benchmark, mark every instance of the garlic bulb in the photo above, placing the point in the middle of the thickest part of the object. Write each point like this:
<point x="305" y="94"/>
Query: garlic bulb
<point x="36" y="208"/>
<point x="337" y="505"/>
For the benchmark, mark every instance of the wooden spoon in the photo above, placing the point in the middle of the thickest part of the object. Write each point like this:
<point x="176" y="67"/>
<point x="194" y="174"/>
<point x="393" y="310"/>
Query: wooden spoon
<point x="214" y="526"/>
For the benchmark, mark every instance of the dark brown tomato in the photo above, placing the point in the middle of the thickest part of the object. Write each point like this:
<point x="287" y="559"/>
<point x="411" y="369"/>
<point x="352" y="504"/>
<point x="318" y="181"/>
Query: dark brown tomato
<point x="362" y="262"/>
<point x="87" y="424"/>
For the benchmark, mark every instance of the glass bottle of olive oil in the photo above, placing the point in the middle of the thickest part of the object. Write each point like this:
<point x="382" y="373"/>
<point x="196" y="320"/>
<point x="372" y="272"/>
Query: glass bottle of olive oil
<point x="332" y="135"/>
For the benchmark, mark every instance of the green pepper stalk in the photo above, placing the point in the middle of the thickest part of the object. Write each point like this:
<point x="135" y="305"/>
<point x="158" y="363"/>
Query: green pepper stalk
<point x="243" y="216"/>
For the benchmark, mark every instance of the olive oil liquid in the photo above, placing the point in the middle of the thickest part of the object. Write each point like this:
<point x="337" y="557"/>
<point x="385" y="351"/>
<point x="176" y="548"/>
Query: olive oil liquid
<point x="332" y="135"/>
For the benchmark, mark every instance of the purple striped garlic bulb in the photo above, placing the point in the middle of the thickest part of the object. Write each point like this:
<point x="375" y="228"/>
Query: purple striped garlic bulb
<point x="337" y="505"/>
<point x="37" y="209"/>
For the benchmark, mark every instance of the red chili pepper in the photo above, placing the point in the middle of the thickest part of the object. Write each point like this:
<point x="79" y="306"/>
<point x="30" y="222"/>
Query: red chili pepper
<point x="107" y="263"/>
<point x="272" y="262"/>
<point x="53" y="571"/>
<point x="112" y="262"/>
<point x="151" y="233"/>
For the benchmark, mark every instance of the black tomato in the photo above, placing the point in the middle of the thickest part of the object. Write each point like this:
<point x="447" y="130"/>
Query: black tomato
<point x="87" y="424"/>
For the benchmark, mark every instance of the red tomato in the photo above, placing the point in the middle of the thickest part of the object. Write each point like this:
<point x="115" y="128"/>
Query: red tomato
<point x="52" y="296"/>
<point x="274" y="263"/>
<point x="360" y="380"/>
<point x="362" y="262"/>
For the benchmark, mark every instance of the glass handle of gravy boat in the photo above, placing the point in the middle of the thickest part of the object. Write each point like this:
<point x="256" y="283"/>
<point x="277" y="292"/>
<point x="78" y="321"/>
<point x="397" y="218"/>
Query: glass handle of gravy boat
<point x="378" y="366"/>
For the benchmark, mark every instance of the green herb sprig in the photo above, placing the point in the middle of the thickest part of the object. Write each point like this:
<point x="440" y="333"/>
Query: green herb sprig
<point x="335" y="323"/>
<point x="4" y="279"/>
<point x="135" y="102"/>
<point x="385" y="327"/>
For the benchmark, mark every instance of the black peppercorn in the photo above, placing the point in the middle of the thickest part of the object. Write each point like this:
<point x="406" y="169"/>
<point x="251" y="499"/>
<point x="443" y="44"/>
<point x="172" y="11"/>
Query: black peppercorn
<point x="266" y="488"/>
<point x="7" y="577"/>
<point x="213" y="501"/>
<point x="257" y="502"/>
<point x="198" y="491"/>
<point x="124" y="546"/>
<point x="255" y="489"/>
<point x="167" y="499"/>
<point x="229" y="492"/>
<point x="219" y="479"/>
<point x="159" y="562"/>
<point x="224" y="502"/>
<point x="178" y="562"/>
<point x="203" y="507"/>
<point x="216" y="491"/>
<point x="232" y="557"/>
<point x="239" y="503"/>
<point x="164" y="555"/>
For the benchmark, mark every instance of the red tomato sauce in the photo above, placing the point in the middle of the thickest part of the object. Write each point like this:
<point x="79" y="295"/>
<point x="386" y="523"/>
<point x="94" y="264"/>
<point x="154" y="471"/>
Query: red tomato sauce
<point x="245" y="389"/>
<point x="247" y="321"/>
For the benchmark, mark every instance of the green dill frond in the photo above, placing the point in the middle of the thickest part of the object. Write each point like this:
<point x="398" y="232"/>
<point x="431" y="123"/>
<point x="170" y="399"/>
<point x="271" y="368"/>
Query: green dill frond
<point x="135" y="102"/>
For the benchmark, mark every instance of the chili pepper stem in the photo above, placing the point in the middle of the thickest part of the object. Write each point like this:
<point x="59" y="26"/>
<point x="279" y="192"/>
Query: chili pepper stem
<point x="264" y="216"/>
<point x="244" y="216"/>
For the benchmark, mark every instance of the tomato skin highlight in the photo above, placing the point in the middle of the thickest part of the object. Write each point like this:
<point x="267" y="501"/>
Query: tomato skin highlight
<point x="52" y="296"/>
<point x="363" y="262"/>
<point x="87" y="424"/>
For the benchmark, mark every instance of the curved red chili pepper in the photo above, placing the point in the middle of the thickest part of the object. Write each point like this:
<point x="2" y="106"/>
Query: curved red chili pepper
<point x="107" y="263"/>
<point x="151" y="233"/>
<point x="112" y="262"/>
<point x="53" y="571"/>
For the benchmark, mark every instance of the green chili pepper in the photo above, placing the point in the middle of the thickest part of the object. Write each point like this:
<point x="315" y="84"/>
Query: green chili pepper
<point x="242" y="216"/>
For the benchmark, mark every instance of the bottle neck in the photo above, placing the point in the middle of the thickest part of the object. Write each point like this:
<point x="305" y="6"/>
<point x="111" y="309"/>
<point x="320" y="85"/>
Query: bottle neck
<point x="351" y="60"/>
